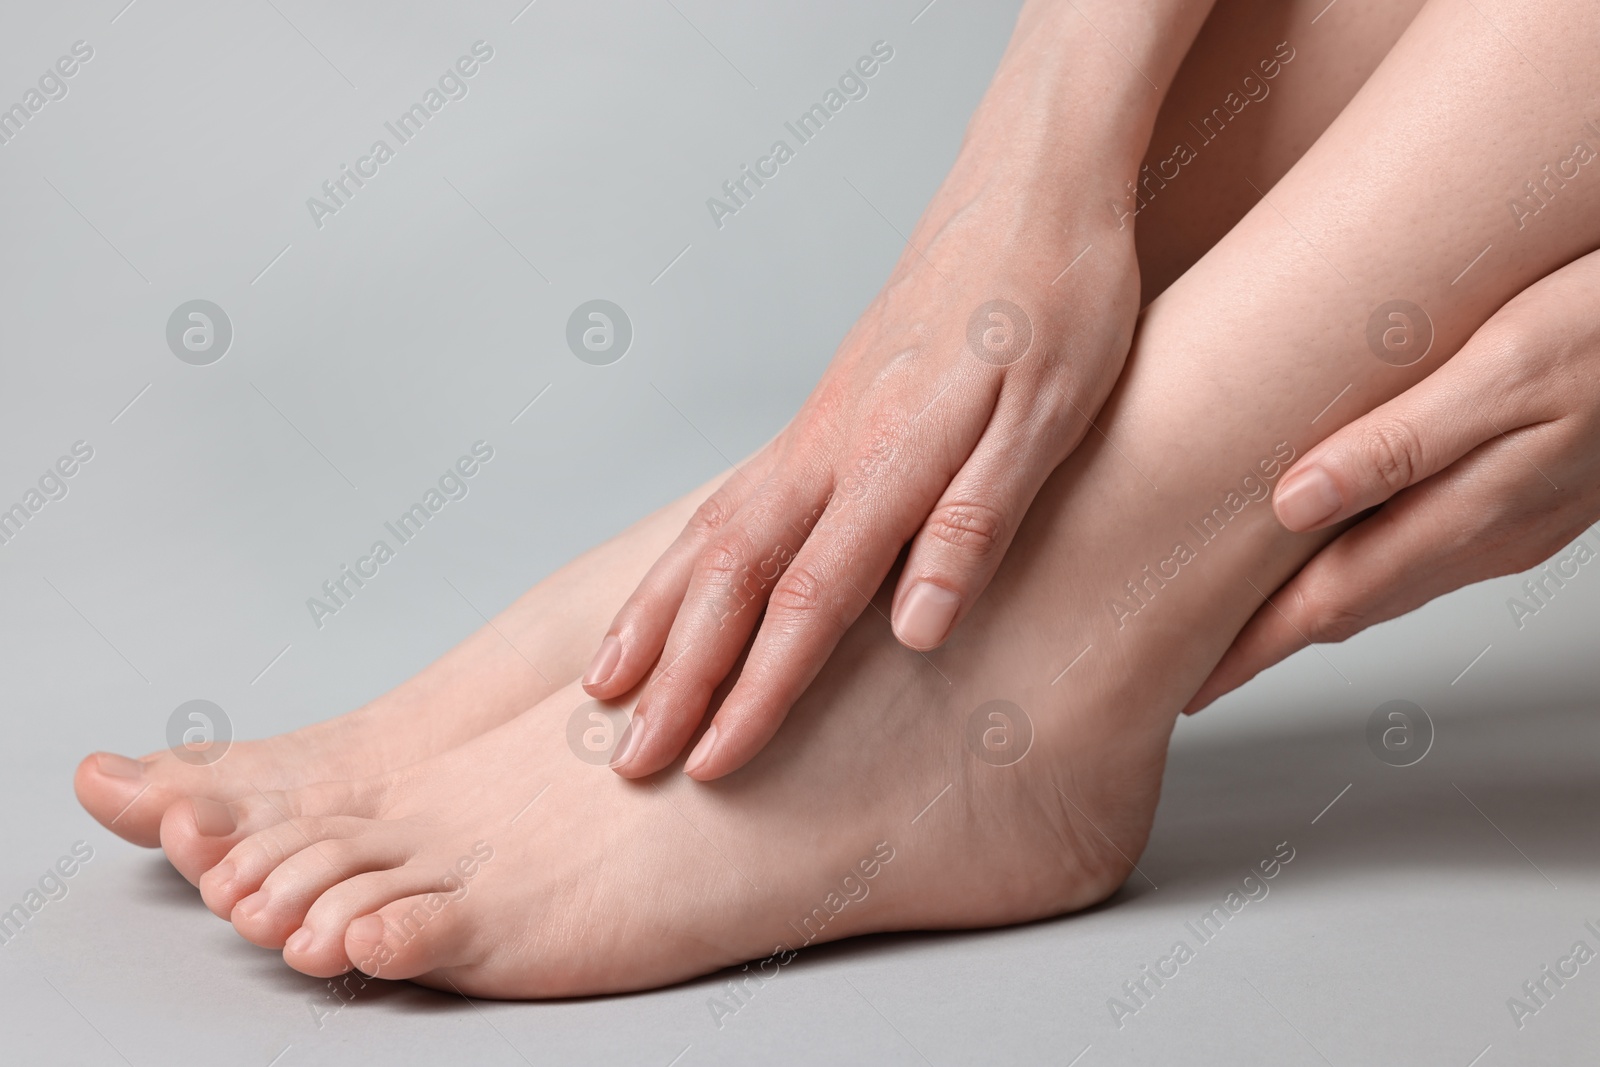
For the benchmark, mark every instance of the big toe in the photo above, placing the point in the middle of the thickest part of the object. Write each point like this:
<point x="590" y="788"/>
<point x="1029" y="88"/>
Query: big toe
<point x="126" y="796"/>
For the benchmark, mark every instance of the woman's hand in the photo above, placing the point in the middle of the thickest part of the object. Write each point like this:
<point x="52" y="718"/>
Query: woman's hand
<point x="971" y="376"/>
<point x="1486" y="467"/>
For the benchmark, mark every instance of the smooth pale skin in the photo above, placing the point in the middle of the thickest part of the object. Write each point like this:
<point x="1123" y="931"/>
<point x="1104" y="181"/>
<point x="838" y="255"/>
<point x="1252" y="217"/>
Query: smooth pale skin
<point x="1486" y="467"/>
<point x="913" y="435"/>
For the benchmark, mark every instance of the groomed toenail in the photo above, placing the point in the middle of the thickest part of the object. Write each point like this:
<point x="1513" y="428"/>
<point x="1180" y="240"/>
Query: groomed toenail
<point x="223" y="873"/>
<point x="115" y="766"/>
<point x="212" y="819"/>
<point x="368" y="930"/>
<point x="298" y="941"/>
<point x="252" y="905"/>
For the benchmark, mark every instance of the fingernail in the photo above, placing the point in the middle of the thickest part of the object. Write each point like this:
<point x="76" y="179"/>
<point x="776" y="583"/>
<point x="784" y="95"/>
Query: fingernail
<point x="925" y="615"/>
<point x="702" y="752"/>
<point x="252" y="905"/>
<point x="212" y="819"/>
<point x="1308" y="499"/>
<point x="119" y="766"/>
<point x="630" y="741"/>
<point x="298" y="941"/>
<point x="605" y="661"/>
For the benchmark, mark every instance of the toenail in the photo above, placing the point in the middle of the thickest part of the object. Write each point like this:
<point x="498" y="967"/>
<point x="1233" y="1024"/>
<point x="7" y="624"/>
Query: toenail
<point x="223" y="873"/>
<point x="702" y="752"/>
<point x="298" y="941"/>
<point x="115" y="766"/>
<point x="212" y="819"/>
<point x="605" y="661"/>
<point x="925" y="615"/>
<point x="252" y="905"/>
<point x="368" y="930"/>
<point x="630" y="741"/>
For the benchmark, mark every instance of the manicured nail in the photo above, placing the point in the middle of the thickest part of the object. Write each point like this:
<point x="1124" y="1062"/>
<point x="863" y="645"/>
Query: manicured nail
<point x="252" y="905"/>
<point x="1308" y="500"/>
<point x="212" y="819"/>
<point x="298" y="941"/>
<point x="702" y="752"/>
<point x="630" y="741"/>
<point x="605" y="661"/>
<point x="120" y="766"/>
<point x="925" y="615"/>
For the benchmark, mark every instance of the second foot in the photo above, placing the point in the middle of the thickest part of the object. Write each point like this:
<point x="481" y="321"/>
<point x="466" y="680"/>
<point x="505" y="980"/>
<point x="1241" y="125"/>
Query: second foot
<point x="509" y="867"/>
<point x="542" y="641"/>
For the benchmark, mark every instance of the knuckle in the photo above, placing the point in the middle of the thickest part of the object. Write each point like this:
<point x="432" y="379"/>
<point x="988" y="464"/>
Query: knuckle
<point x="799" y="593"/>
<point x="1324" y="615"/>
<point x="975" y="530"/>
<point x="714" y="513"/>
<point x="1393" y="452"/>
<point x="723" y="560"/>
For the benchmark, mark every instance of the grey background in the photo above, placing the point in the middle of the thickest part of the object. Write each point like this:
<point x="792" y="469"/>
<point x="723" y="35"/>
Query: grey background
<point x="371" y="353"/>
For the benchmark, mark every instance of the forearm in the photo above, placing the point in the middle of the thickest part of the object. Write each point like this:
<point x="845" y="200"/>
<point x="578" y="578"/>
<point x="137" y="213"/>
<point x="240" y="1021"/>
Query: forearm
<point x="1069" y="113"/>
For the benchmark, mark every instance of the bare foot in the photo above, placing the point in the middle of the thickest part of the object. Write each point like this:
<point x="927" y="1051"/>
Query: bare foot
<point x="536" y="645"/>
<point x="898" y="794"/>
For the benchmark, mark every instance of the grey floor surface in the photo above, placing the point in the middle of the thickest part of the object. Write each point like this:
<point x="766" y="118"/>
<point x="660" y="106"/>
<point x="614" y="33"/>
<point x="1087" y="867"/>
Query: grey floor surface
<point x="373" y="345"/>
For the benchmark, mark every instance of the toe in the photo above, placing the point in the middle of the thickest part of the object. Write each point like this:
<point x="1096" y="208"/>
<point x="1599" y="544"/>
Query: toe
<point x="411" y="936"/>
<point x="269" y="915"/>
<point x="197" y="833"/>
<point x="321" y="948"/>
<point x="123" y="796"/>
<point x="246" y="866"/>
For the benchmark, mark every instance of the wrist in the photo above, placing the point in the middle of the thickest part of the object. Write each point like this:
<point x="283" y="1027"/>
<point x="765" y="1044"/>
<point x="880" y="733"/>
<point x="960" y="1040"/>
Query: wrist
<point x="1075" y="97"/>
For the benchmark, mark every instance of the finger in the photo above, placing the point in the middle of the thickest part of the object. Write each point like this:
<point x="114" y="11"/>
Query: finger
<point x="731" y="581"/>
<point x="638" y="632"/>
<point x="1483" y="517"/>
<point x="821" y="595"/>
<point x="1398" y="444"/>
<point x="967" y="534"/>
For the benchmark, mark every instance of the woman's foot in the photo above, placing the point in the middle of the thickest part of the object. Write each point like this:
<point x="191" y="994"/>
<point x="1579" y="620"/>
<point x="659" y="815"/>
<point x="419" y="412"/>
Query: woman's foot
<point x="1012" y="775"/>
<point x="900" y="793"/>
<point x="536" y="645"/>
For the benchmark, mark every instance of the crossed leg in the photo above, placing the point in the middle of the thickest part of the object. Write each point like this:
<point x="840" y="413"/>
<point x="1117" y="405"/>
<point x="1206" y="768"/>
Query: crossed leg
<point x="505" y="867"/>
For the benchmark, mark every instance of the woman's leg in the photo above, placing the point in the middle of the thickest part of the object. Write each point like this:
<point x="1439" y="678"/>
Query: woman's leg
<point x="543" y="639"/>
<point x="899" y="794"/>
